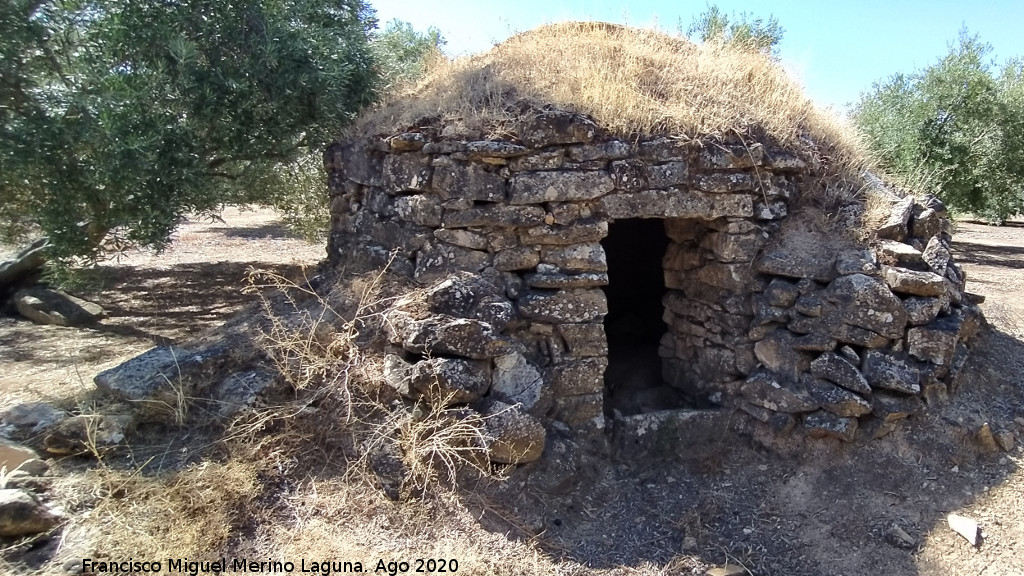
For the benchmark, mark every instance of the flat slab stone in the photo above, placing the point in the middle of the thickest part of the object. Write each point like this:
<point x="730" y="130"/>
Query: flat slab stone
<point x="914" y="282"/>
<point x="675" y="203"/>
<point x="50" y="306"/>
<point x="577" y="305"/>
<point x="883" y="370"/>
<point x="558" y="186"/>
<point x="822" y="424"/>
<point x="837" y="369"/>
<point x="776" y="394"/>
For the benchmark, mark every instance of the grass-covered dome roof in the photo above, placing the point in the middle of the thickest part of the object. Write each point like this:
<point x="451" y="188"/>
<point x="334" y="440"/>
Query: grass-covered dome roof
<point x="631" y="81"/>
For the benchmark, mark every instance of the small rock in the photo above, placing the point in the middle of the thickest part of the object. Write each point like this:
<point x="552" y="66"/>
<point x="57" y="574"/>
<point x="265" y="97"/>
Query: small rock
<point x="965" y="527"/>
<point x="728" y="570"/>
<point x="1019" y="421"/>
<point x="689" y="544"/>
<point x="31" y="418"/>
<point x="48" y="306"/>
<point x="822" y="424"/>
<point x="899" y="538"/>
<point x="516" y="437"/>
<point x="1006" y="440"/>
<point x="21" y="514"/>
<point x="986" y="439"/>
<point x="88" y="432"/>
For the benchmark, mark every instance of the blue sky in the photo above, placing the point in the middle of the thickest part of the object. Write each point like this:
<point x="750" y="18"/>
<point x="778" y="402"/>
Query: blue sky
<point x="835" y="49"/>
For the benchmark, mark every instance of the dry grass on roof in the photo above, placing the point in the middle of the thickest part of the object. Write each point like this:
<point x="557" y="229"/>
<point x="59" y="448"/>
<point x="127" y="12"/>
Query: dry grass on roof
<point x="631" y="81"/>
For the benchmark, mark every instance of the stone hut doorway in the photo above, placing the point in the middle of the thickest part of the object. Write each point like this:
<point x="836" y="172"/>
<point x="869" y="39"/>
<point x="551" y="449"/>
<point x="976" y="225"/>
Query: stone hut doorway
<point x="635" y="249"/>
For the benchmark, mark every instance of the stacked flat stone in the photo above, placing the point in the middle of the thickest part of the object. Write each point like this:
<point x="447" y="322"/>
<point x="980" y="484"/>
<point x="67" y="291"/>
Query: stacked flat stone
<point x="505" y="234"/>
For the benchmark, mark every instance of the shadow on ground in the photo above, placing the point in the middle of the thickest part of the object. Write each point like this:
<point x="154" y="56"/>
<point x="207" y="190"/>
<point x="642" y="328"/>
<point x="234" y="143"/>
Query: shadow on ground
<point x="160" y="305"/>
<point x="972" y="253"/>
<point x="790" y="506"/>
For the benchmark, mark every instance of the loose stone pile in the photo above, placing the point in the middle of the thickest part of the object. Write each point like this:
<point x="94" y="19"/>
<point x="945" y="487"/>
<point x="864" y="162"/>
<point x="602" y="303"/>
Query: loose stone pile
<point x="764" y="311"/>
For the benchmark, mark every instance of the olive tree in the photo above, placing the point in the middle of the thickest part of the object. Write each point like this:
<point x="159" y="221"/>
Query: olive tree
<point x="741" y="30"/>
<point x="955" y="128"/>
<point x="119" y="116"/>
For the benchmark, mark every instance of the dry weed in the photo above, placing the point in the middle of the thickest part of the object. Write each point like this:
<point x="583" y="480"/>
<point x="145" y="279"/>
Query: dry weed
<point x="192" y="512"/>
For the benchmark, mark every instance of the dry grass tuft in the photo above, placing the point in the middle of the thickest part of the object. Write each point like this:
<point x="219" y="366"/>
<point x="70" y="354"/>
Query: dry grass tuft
<point x="192" y="512"/>
<point x="322" y="346"/>
<point x="631" y="81"/>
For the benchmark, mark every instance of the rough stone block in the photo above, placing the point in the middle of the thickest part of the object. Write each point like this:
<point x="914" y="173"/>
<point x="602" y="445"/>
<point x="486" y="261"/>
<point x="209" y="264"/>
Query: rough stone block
<point x="463" y="238"/>
<point x="562" y="186"/>
<point x="407" y="172"/>
<point x="733" y="247"/>
<point x="629" y="175"/>
<point x="926" y="224"/>
<point x="516" y="437"/>
<point x="726" y="157"/>
<point x="583" y="411"/>
<point x="21" y="514"/>
<point x="578" y="305"/>
<point x="611" y="150"/>
<point x="442" y="260"/>
<point x="935" y="342"/>
<point x="519" y="258"/>
<point x="890" y="407"/>
<point x="837" y="369"/>
<point x="584" y="340"/>
<point x="937" y="255"/>
<point x="767" y="390"/>
<point x="419" y="209"/>
<point x="893" y="253"/>
<point x="725" y="182"/>
<point x="589" y="257"/>
<point x="585" y="376"/>
<point x="895" y="225"/>
<point x="781" y="293"/>
<point x="822" y="424"/>
<point x="922" y="310"/>
<point x="44" y="305"/>
<point x="836" y="400"/>
<point x="451" y="380"/>
<point x="542" y="160"/>
<point x="665" y="175"/>
<point x="865" y="302"/>
<point x="675" y="203"/>
<point x="561" y="281"/>
<point x="556" y="127"/>
<point x="579" y="232"/>
<point x="914" y="282"/>
<point x="776" y="353"/>
<point x="791" y="263"/>
<point x="885" y="370"/>
<point x="484" y="149"/>
<point x="470" y="181"/>
<point x="856" y="262"/>
<point x="516" y="216"/>
<point x="515" y="380"/>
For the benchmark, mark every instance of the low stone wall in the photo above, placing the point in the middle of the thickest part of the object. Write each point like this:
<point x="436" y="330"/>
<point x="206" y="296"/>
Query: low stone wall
<point x="762" y="311"/>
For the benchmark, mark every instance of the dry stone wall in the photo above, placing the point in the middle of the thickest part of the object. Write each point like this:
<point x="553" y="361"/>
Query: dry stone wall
<point x="761" y="312"/>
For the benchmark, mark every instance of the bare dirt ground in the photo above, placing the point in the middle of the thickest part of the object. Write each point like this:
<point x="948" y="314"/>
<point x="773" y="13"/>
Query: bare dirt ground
<point x="720" y="492"/>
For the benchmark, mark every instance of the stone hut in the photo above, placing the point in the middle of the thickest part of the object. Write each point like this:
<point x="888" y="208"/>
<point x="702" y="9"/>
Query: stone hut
<point x="576" y="274"/>
<point x="584" y="254"/>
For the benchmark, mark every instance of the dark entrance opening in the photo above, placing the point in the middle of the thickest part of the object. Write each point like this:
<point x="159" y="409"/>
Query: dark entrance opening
<point x="636" y="284"/>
